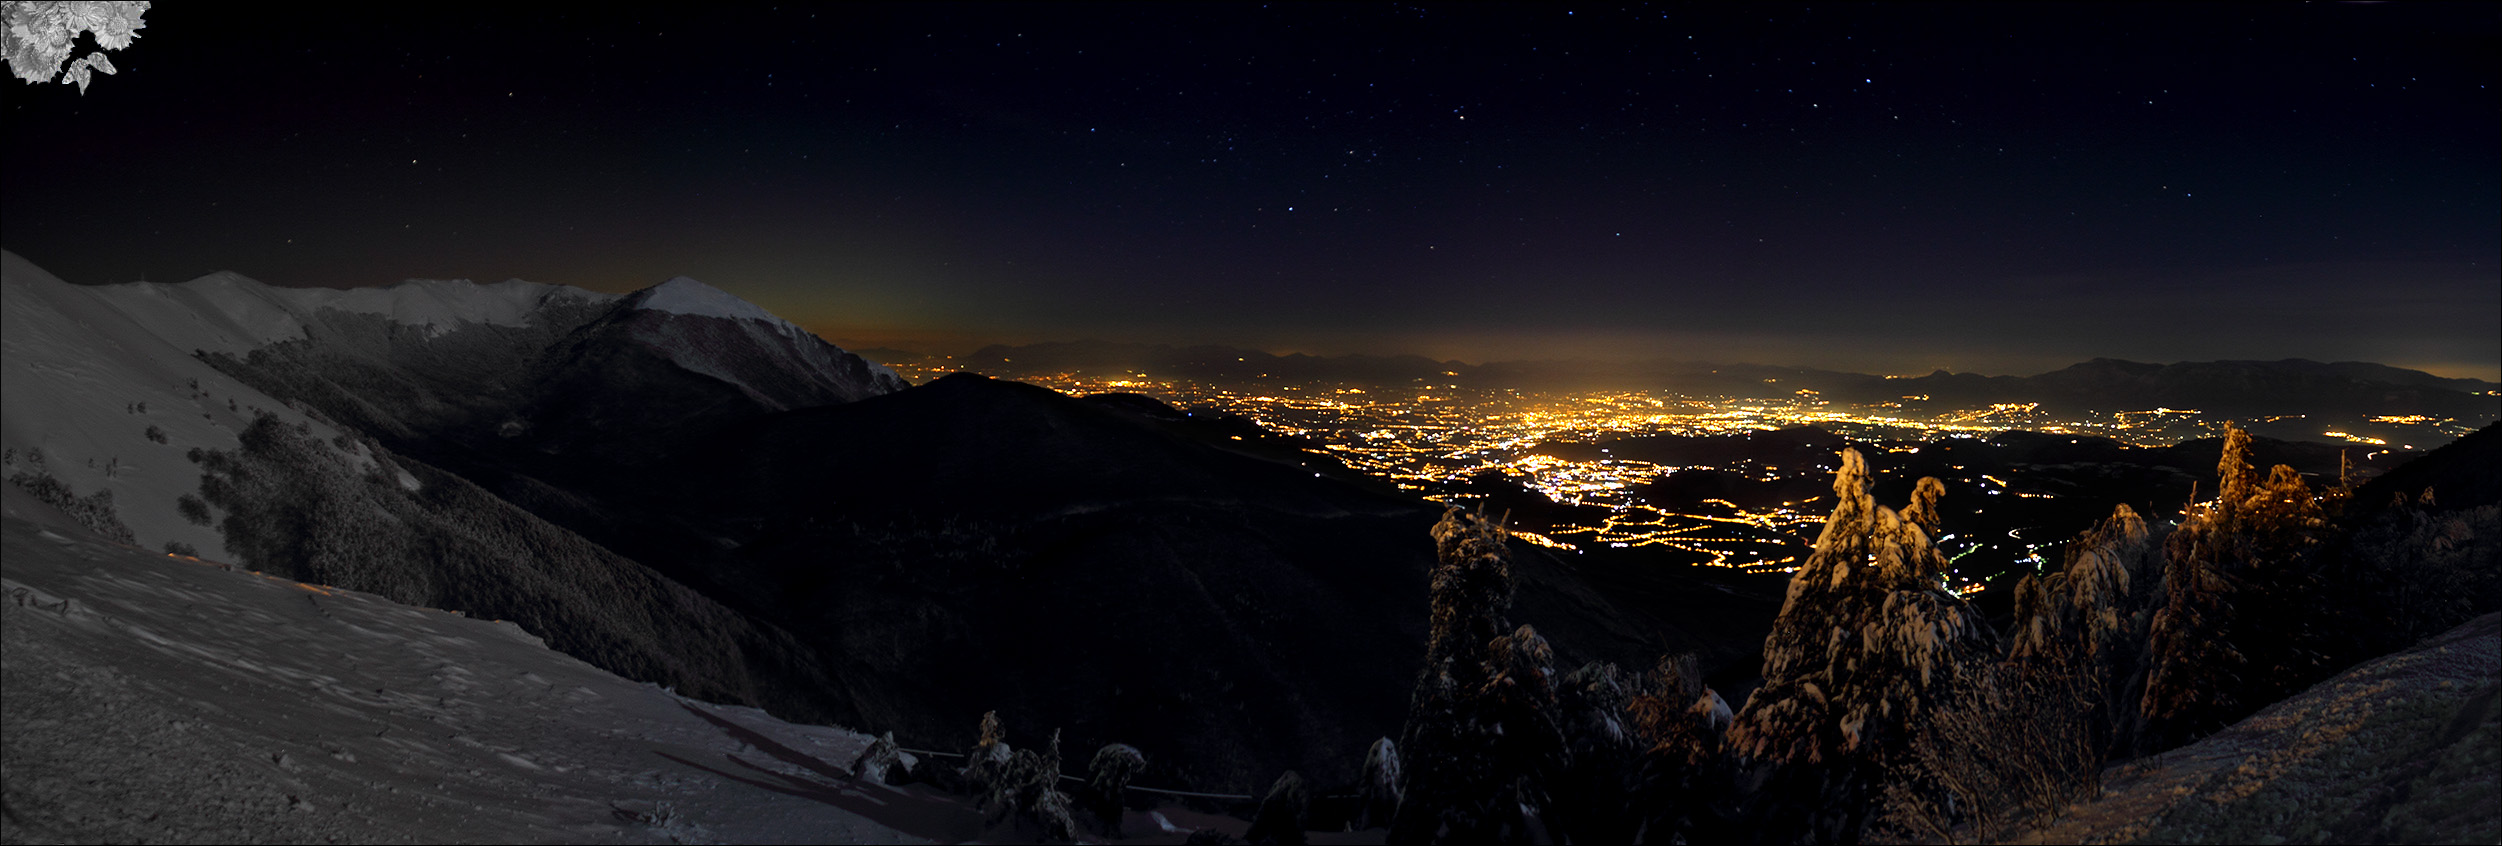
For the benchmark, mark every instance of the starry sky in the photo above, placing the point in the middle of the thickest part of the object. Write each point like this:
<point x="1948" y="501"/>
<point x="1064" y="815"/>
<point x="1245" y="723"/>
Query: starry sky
<point x="1983" y="188"/>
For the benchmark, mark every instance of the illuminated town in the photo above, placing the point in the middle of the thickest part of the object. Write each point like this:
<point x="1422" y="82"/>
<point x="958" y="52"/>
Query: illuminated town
<point x="1428" y="438"/>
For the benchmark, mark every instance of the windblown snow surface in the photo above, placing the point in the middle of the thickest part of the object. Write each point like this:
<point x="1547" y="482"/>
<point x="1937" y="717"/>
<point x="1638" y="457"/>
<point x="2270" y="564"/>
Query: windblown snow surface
<point x="158" y="698"/>
<point x="2406" y="748"/>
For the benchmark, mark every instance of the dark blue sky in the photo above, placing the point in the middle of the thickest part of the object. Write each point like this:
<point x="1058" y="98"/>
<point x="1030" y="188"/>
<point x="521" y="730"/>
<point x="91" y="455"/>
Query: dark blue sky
<point x="1991" y="188"/>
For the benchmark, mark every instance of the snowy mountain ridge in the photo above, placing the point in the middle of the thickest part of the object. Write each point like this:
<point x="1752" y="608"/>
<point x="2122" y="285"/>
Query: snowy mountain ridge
<point x="231" y="313"/>
<point x="106" y="388"/>
<point x="684" y="295"/>
<point x="726" y="351"/>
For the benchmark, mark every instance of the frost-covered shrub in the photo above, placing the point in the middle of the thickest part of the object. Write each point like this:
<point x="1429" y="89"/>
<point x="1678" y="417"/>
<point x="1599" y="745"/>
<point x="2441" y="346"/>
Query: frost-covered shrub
<point x="1019" y="784"/>
<point x="1282" y="812"/>
<point x="880" y="763"/>
<point x="193" y="509"/>
<point x="156" y="433"/>
<point x="1107" y="779"/>
<point x="986" y="763"/>
<point x="2017" y="746"/>
<point x="2111" y="572"/>
<point x="94" y="511"/>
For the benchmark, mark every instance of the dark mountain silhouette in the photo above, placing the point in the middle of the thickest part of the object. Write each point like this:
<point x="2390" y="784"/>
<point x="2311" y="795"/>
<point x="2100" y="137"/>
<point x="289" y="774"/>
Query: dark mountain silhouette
<point x="1203" y="362"/>
<point x="419" y="535"/>
<point x="639" y="375"/>
<point x="2461" y="474"/>
<point x="974" y="544"/>
<point x="581" y="375"/>
<point x="2237" y="388"/>
<point x="2251" y="390"/>
<point x="1115" y="567"/>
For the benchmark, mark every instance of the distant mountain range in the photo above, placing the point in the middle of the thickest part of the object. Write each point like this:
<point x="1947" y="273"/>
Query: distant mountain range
<point x="2228" y="388"/>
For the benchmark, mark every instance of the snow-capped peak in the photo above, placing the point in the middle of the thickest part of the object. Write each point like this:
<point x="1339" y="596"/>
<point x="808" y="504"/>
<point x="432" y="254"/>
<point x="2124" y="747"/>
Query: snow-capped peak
<point x="686" y="339"/>
<point x="683" y="295"/>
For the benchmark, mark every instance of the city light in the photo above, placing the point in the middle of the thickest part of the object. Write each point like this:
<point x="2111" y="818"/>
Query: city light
<point x="1433" y="438"/>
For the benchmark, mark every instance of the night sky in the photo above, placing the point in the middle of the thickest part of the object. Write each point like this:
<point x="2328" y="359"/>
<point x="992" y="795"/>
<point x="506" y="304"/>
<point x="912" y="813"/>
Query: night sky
<point x="1999" y="189"/>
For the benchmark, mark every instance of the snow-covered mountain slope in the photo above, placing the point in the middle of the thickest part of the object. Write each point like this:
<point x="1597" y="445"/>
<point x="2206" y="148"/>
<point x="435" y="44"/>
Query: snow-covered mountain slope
<point x="99" y="391"/>
<point x="704" y="330"/>
<point x="104" y="392"/>
<point x="157" y="698"/>
<point x="235" y="455"/>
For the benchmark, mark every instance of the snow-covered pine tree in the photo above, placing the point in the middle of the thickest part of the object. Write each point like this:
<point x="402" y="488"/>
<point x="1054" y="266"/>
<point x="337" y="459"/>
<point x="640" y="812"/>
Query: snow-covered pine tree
<point x="1280" y="818"/>
<point x="1378" y="794"/>
<point x="985" y="765"/>
<point x="2422" y="571"/>
<point x="36" y="36"/>
<point x="1681" y="727"/>
<point x="1594" y="798"/>
<point x="1107" y="779"/>
<point x="1020" y="785"/>
<point x="1867" y="642"/>
<point x="2194" y="672"/>
<point x="880" y="763"/>
<point x="2033" y="732"/>
<point x="2237" y="627"/>
<point x="2092" y="617"/>
<point x="1482" y="740"/>
<point x="1530" y="751"/>
<point x="1446" y="748"/>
